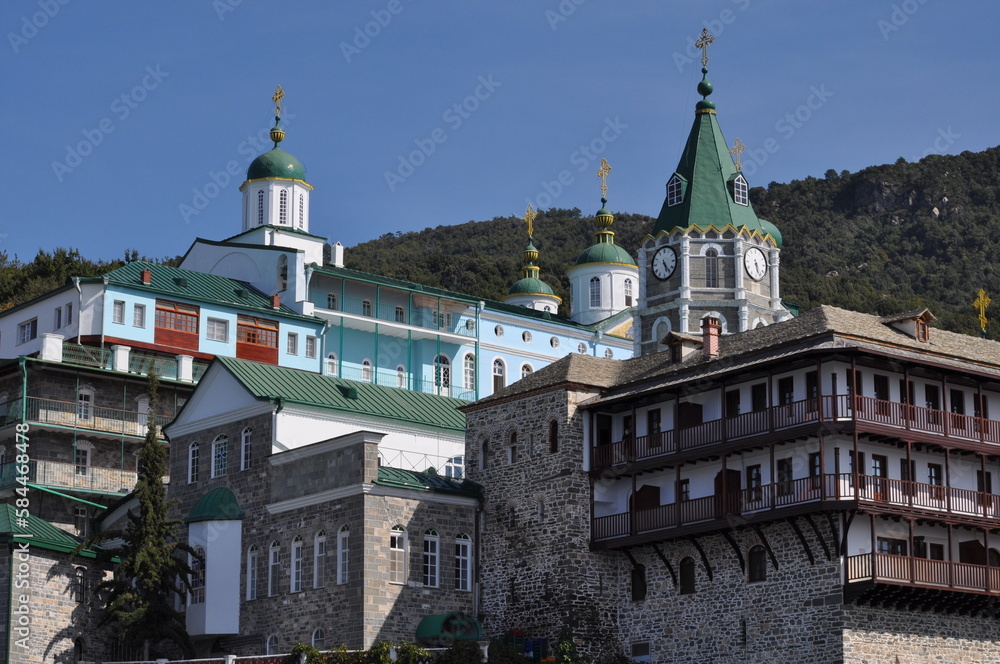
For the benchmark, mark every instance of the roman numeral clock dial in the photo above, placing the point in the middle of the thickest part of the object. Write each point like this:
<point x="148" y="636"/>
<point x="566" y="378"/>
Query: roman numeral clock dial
<point x="664" y="263"/>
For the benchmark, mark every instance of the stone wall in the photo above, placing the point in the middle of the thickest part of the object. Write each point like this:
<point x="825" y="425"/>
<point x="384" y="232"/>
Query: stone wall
<point x="888" y="635"/>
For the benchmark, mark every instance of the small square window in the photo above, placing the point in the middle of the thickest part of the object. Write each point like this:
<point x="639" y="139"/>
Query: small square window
<point x="217" y="330"/>
<point x="118" y="313"/>
<point x="310" y="346"/>
<point x="139" y="315"/>
<point x="293" y="343"/>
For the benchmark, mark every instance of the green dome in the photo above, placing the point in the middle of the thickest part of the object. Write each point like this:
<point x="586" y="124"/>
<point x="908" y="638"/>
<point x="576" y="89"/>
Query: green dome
<point x="219" y="504"/>
<point x="276" y="164"/>
<point x="530" y="286"/>
<point x="605" y="252"/>
<point x="767" y="227"/>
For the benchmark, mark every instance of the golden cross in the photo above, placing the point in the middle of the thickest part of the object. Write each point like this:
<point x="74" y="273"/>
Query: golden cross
<point x="981" y="303"/>
<point x="737" y="150"/>
<point x="602" y="173"/>
<point x="279" y="94"/>
<point x="706" y="39"/>
<point x="529" y="217"/>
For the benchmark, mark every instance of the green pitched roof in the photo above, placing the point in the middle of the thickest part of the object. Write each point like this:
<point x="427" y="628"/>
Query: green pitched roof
<point x="276" y="163"/>
<point x="708" y="169"/>
<point x="411" y="479"/>
<point x="219" y="504"/>
<point x="198" y="286"/>
<point x="37" y="532"/>
<point x="266" y="381"/>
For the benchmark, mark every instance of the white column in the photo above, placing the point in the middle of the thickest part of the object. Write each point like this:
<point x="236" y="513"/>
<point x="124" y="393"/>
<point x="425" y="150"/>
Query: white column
<point x="185" y="368"/>
<point x="775" y="292"/>
<point x="119" y="358"/>
<point x="685" y="269"/>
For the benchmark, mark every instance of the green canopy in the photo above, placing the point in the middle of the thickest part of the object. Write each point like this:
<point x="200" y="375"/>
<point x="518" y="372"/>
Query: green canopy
<point x="444" y="629"/>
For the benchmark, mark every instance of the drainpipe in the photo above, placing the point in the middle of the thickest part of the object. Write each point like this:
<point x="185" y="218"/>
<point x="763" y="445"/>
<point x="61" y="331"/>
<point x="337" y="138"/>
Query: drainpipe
<point x="323" y="369"/>
<point x="479" y="314"/>
<point x="104" y="296"/>
<point x="278" y="406"/>
<point x="79" y="308"/>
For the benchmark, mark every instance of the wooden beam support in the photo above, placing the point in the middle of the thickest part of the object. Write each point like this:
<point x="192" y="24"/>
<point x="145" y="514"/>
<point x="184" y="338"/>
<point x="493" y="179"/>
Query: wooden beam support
<point x="819" y="536"/>
<point x="802" y="538"/>
<point x="847" y="529"/>
<point x="767" y="545"/>
<point x="736" y="549"/>
<point x="701" y="552"/>
<point x="666" y="563"/>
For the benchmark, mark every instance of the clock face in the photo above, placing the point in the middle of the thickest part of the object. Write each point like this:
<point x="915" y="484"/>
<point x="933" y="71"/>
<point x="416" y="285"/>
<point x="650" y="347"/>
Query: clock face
<point x="755" y="263"/>
<point x="664" y="262"/>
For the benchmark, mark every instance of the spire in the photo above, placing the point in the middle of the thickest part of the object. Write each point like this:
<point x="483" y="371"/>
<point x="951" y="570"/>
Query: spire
<point x="277" y="133"/>
<point x="530" y="291"/>
<point x="530" y="270"/>
<point x="604" y="250"/>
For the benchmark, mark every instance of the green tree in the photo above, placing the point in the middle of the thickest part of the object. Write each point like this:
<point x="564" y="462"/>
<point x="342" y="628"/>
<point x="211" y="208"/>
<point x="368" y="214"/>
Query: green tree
<point x="152" y="566"/>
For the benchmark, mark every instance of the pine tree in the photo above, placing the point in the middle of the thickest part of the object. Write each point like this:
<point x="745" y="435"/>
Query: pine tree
<point x="152" y="564"/>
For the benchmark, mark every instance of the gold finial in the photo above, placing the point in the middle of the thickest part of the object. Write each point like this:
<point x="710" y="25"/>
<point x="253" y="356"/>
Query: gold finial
<point x="602" y="173"/>
<point x="737" y="150"/>
<point x="981" y="303"/>
<point x="706" y="39"/>
<point x="529" y="218"/>
<point x="279" y="94"/>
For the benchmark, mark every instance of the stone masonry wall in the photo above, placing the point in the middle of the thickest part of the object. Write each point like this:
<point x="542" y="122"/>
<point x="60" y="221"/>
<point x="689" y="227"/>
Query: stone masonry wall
<point x="874" y="635"/>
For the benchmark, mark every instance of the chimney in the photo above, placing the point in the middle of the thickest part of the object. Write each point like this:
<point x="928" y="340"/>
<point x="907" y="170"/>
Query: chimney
<point x="338" y="255"/>
<point x="147" y="276"/>
<point x="710" y="331"/>
<point x="275" y="301"/>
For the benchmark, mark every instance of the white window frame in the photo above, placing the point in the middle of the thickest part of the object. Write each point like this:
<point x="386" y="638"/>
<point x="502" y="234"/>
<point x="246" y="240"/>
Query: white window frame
<point x="343" y="554"/>
<point x="118" y="312"/>
<point x="332" y="366"/>
<point x="85" y="397"/>
<point x="253" y="556"/>
<point x="741" y="191"/>
<point x="319" y="560"/>
<point x="595" y="292"/>
<point x="526" y="370"/>
<point x="57" y="318"/>
<point x="398" y="555"/>
<point x="401" y="377"/>
<point x="81" y="457"/>
<point x="319" y="639"/>
<point x="69" y="313"/>
<point x="27" y="331"/>
<point x="675" y="191"/>
<point x="139" y="315"/>
<point x="295" y="584"/>
<point x="311" y="346"/>
<point x="273" y="568"/>
<point x="463" y="562"/>
<point x="198" y="574"/>
<point x="431" y="559"/>
<point x="628" y="292"/>
<point x="81" y="518"/>
<point x="292" y="346"/>
<point x="213" y="328"/>
<point x="220" y="462"/>
<point x="469" y="371"/>
<point x="246" y="448"/>
<point x="194" y="461"/>
<point x="367" y="372"/>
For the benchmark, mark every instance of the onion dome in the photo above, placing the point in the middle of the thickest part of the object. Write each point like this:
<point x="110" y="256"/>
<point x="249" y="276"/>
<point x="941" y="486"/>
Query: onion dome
<point x="276" y="163"/>
<point x="605" y="250"/>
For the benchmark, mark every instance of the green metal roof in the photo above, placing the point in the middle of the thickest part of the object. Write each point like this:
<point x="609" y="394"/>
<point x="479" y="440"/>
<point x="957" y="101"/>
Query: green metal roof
<point x="267" y="381"/>
<point x="708" y="168"/>
<point x="38" y="533"/>
<point x="219" y="504"/>
<point x="199" y="286"/>
<point x="357" y="275"/>
<point x="605" y="252"/>
<point x="411" y="479"/>
<point x="276" y="163"/>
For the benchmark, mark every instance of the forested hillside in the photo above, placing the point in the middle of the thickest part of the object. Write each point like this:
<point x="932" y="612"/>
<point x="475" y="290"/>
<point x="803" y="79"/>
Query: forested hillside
<point x="886" y="239"/>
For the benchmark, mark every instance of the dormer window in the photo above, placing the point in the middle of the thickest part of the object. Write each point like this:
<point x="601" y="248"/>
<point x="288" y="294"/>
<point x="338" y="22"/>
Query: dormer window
<point x="675" y="190"/>
<point x="922" y="330"/>
<point x="741" y="192"/>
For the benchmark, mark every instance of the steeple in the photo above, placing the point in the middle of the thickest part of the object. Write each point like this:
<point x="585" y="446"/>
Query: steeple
<point x="530" y="291"/>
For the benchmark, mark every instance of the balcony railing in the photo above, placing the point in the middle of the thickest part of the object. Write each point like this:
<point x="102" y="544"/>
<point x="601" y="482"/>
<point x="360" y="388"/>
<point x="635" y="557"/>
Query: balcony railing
<point x="88" y="356"/>
<point x="839" y="408"/>
<point x="883" y="567"/>
<point x="82" y="416"/>
<point x="388" y="378"/>
<point x="423" y="317"/>
<point x="754" y="500"/>
<point x="71" y="476"/>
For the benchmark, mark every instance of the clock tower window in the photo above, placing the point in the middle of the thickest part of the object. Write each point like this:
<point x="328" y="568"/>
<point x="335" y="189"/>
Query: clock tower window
<point x="711" y="268"/>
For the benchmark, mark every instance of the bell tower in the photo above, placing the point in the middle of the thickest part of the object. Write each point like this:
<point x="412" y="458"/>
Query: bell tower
<point x="709" y="255"/>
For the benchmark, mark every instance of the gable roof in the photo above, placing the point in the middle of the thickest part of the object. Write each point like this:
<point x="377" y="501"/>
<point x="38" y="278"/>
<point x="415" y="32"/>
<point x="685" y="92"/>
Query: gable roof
<point x="38" y="533"/>
<point x="431" y="482"/>
<point x="266" y="381"/>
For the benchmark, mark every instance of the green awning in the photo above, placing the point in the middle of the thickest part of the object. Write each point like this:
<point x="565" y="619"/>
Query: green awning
<point x="444" y="628"/>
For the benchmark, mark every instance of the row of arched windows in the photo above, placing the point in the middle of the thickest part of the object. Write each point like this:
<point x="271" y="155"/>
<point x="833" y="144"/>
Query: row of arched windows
<point x="511" y="446"/>
<point x="279" y="563"/>
<point x="433" y="569"/>
<point x="282" y="209"/>
<point x="687" y="577"/>
<point x="596" y="295"/>
<point x="220" y="455"/>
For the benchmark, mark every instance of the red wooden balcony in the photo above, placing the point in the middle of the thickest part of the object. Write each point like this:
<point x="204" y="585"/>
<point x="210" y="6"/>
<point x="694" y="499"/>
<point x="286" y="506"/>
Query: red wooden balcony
<point x="909" y="570"/>
<point x="874" y="491"/>
<point x="841" y="408"/>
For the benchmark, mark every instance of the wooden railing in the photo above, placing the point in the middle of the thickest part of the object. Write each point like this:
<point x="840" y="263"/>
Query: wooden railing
<point x="117" y="421"/>
<point x="838" y="408"/>
<point x="878" y="490"/>
<point x="71" y="476"/>
<point x="922" y="572"/>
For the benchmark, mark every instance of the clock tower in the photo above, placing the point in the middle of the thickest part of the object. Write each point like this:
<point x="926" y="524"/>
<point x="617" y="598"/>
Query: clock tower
<point x="709" y="255"/>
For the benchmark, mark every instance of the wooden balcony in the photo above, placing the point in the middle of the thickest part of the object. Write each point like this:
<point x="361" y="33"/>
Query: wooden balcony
<point x="873" y="414"/>
<point x="909" y="570"/>
<point x="62" y="475"/>
<point x="926" y="500"/>
<point x="71" y="415"/>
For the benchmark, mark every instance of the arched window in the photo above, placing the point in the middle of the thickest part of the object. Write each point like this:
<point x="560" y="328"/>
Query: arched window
<point x="431" y="561"/>
<point x="711" y="268"/>
<point x="194" y="455"/>
<point x="595" y="292"/>
<point x="638" y="583"/>
<point x="400" y="315"/>
<point x="253" y="561"/>
<point x="442" y="374"/>
<point x="283" y="207"/>
<point x="512" y="449"/>
<point x="296" y="580"/>
<point x="499" y="375"/>
<point x="246" y="448"/>
<point x="80" y="585"/>
<point x="273" y="568"/>
<point x="331" y="301"/>
<point x="687" y="586"/>
<point x="220" y="456"/>
<point x="401" y="376"/>
<point x="675" y="191"/>
<point x="85" y="403"/>
<point x="343" y="554"/>
<point x="302" y="211"/>
<point x="366" y="308"/>
<point x="77" y="651"/>
<point x="553" y="437"/>
<point x="366" y="370"/>
<point x="397" y="555"/>
<point x="260" y="208"/>
<point x="628" y="292"/>
<point x="463" y="562"/>
<point x="484" y="456"/>
<point x="661" y="329"/>
<point x="81" y="457"/>
<point x="319" y="560"/>
<point x="272" y="645"/>
<point x="469" y="372"/>
<point x="758" y="563"/>
<point x="331" y="364"/>
<point x="197" y="566"/>
<point x="741" y="193"/>
<point x="282" y="273"/>
<point x="319" y="639"/>
<point x="526" y="370"/>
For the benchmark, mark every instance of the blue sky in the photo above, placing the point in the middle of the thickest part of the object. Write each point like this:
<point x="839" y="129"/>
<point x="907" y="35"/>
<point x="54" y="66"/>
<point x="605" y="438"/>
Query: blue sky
<point x="122" y="117"/>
